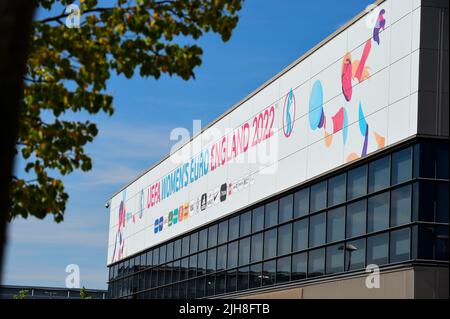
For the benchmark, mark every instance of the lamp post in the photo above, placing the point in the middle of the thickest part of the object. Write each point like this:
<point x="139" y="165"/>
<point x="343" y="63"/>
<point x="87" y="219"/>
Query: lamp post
<point x="350" y="248"/>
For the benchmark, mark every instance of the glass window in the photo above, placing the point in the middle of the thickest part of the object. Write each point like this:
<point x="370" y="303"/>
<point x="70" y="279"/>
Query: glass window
<point x="377" y="249"/>
<point x="258" y="219"/>
<point x="356" y="218"/>
<point x="192" y="266"/>
<point x="270" y="243"/>
<point x="210" y="285"/>
<point x="402" y="166"/>
<point x="155" y="256"/>
<point x="177" y="249"/>
<point x="183" y="293"/>
<point x="200" y="285"/>
<point x="176" y="270"/>
<point x="232" y="255"/>
<point x="442" y="203"/>
<point x="379" y="176"/>
<point x="191" y="289"/>
<point x="220" y="283"/>
<point x="212" y="236"/>
<point x="355" y="254"/>
<point x="400" y="245"/>
<point x="169" y="254"/>
<point x="184" y="268"/>
<point x="162" y="254"/>
<point x="300" y="240"/>
<point x="336" y="190"/>
<point x="318" y="196"/>
<point x="378" y="212"/>
<point x="269" y="273"/>
<point x="211" y="260"/>
<point x="244" y="251"/>
<point x="442" y="171"/>
<point x="234" y="228"/>
<point x="301" y="203"/>
<point x="317" y="230"/>
<point x="299" y="266"/>
<point x="194" y="243"/>
<point x="201" y="264"/>
<point x="401" y="206"/>
<point x="271" y="214"/>
<point x="257" y="247"/>
<point x="221" y="257"/>
<point x="223" y="232"/>
<point x="185" y="246"/>
<point x="316" y="262"/>
<point x="442" y="243"/>
<point x="286" y="208"/>
<point x="203" y="239"/>
<point x="243" y="275"/>
<point x="335" y="259"/>
<point x="357" y="182"/>
<point x="284" y="269"/>
<point x="255" y="275"/>
<point x="336" y="224"/>
<point x="284" y="239"/>
<point x="231" y="280"/>
<point x="150" y="258"/>
<point x="246" y="223"/>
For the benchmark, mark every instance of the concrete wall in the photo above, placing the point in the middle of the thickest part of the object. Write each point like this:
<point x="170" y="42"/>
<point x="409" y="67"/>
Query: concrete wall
<point x="433" y="103"/>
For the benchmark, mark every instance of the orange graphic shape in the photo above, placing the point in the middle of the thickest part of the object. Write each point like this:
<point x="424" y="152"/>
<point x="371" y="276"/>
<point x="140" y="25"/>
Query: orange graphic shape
<point x="328" y="139"/>
<point x="352" y="157"/>
<point x="381" y="141"/>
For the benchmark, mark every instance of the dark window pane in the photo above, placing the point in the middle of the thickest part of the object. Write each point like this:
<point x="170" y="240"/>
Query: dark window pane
<point x="442" y="243"/>
<point x="243" y="274"/>
<point x="221" y="257"/>
<point x="192" y="266"/>
<point x="283" y="269"/>
<point x="232" y="255"/>
<point x="379" y="174"/>
<point x="245" y="225"/>
<point x="442" y="207"/>
<point x="194" y="243"/>
<point x="177" y="249"/>
<point x="316" y="262"/>
<point x="211" y="260"/>
<point x="184" y="268"/>
<point x="269" y="273"/>
<point x="442" y="161"/>
<point x="377" y="249"/>
<point x="150" y="258"/>
<point x="300" y="240"/>
<point x="191" y="289"/>
<point x="284" y="239"/>
<point x="286" y="208"/>
<point x="299" y="266"/>
<point x="258" y="219"/>
<point x="233" y="228"/>
<point x="401" y="206"/>
<point x="400" y="245"/>
<point x="201" y="264"/>
<point x="317" y="230"/>
<point x="255" y="275"/>
<point x="301" y="203"/>
<point x="183" y="290"/>
<point x="176" y="291"/>
<point x="425" y="242"/>
<point x="185" y="246"/>
<point x="169" y="253"/>
<point x="378" y="212"/>
<point x="223" y="232"/>
<point x="155" y="256"/>
<point x="335" y="259"/>
<point x="176" y="271"/>
<point x="203" y="239"/>
<point x="257" y="247"/>
<point x="210" y="285"/>
<point x="402" y="166"/>
<point x="356" y="219"/>
<point x="336" y="224"/>
<point x="244" y="251"/>
<point x="200" y="285"/>
<point x="336" y="190"/>
<point x="271" y="214"/>
<point x="232" y="280"/>
<point x="220" y="283"/>
<point x="357" y="182"/>
<point x="355" y="254"/>
<point x="270" y="243"/>
<point x="212" y="236"/>
<point x="318" y="196"/>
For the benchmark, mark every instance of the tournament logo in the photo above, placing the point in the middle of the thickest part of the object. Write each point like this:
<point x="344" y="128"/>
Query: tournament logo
<point x="203" y="202"/>
<point x="289" y="114"/>
<point x="223" y="192"/>
<point x="216" y="196"/>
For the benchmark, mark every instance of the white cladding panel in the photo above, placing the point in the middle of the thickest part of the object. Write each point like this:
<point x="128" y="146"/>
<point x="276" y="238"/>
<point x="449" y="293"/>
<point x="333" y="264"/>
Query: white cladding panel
<point x="354" y="95"/>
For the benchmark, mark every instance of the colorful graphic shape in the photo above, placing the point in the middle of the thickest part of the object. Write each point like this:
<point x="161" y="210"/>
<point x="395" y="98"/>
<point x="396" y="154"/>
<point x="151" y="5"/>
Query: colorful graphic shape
<point x="316" y="116"/>
<point x="381" y="24"/>
<point x="289" y="111"/>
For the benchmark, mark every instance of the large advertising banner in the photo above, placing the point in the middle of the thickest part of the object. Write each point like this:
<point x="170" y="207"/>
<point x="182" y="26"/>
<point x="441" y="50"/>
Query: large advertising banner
<point x="353" y="95"/>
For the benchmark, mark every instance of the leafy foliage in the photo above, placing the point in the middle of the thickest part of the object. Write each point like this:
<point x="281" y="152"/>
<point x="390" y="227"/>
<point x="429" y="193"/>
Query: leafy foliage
<point x="22" y="294"/>
<point x="68" y="69"/>
<point x="84" y="294"/>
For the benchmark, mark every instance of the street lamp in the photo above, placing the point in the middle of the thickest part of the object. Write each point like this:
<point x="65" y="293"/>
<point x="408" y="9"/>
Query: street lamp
<point x="350" y="248"/>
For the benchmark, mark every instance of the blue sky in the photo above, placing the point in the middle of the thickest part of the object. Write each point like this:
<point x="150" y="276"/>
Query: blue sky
<point x="270" y="35"/>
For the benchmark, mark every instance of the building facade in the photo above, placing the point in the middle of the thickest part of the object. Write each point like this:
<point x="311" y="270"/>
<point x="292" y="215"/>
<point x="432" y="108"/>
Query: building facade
<point x="335" y="167"/>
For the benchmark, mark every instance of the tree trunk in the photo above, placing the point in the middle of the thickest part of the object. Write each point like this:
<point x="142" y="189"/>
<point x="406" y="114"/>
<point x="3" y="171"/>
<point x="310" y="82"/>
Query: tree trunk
<point x="15" y="27"/>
